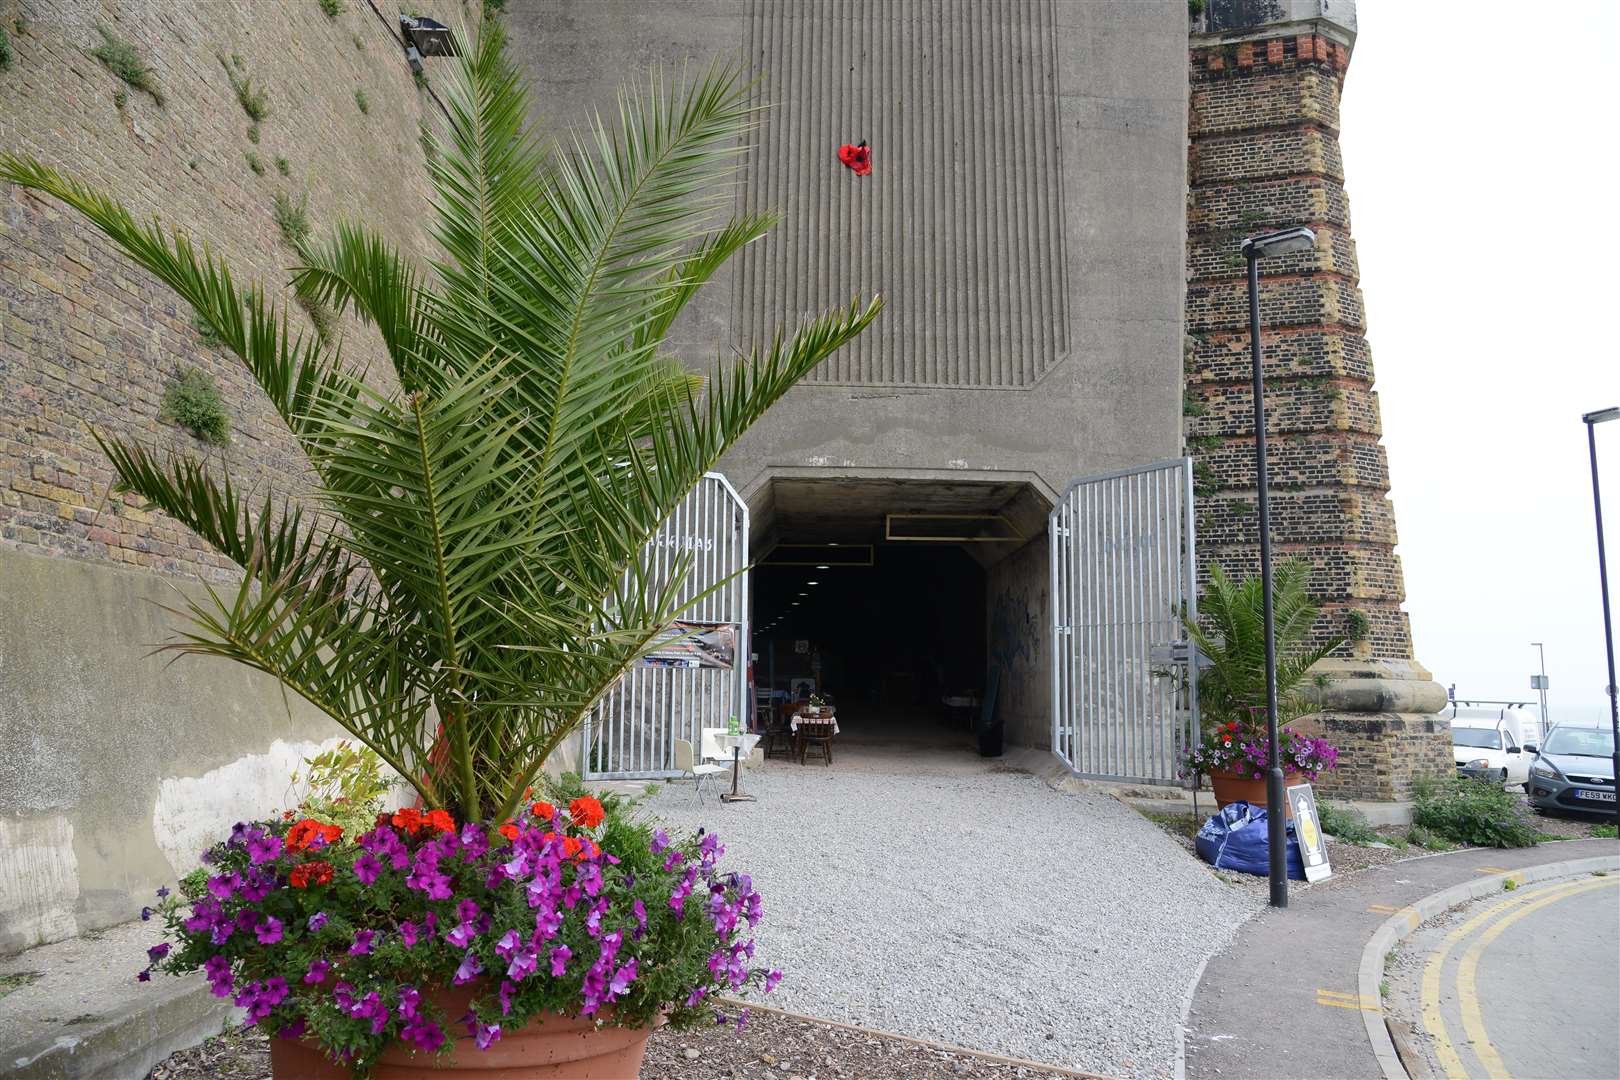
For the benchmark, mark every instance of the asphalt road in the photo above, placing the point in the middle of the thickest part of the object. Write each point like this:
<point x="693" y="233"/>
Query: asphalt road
<point x="1523" y="985"/>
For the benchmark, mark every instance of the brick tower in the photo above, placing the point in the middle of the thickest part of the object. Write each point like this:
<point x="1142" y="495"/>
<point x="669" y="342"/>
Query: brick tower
<point x="1263" y="131"/>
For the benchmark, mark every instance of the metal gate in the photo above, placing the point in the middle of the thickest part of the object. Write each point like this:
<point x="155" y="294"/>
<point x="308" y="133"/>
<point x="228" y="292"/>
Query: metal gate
<point x="631" y="732"/>
<point x="1124" y="699"/>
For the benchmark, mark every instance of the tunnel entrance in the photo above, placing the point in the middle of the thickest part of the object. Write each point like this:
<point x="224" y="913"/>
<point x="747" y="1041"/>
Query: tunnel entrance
<point x="895" y="600"/>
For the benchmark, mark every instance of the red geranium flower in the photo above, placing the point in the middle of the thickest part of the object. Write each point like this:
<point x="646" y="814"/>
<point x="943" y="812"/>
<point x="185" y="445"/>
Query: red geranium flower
<point x="587" y="812"/>
<point x="858" y="158"/>
<point x="571" y="847"/>
<point x="441" y="820"/>
<point x="310" y="873"/>
<point x="509" y="830"/>
<point x="300" y="835"/>
<point x="408" y="819"/>
<point x="543" y="810"/>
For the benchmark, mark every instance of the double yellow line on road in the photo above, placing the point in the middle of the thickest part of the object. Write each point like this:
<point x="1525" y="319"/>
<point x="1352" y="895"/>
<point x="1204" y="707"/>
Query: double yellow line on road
<point x="1511" y="911"/>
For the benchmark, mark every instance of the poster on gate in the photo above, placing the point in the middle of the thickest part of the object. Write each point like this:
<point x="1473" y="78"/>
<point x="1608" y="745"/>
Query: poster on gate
<point x="695" y="645"/>
<point x="1308" y="830"/>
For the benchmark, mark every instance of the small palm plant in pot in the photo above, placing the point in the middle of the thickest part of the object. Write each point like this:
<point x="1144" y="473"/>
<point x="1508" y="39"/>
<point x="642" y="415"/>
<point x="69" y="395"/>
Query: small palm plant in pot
<point x="466" y="581"/>
<point x="1234" y="747"/>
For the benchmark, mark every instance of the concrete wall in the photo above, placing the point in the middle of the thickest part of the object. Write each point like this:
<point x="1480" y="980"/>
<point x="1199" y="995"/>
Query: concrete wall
<point x="1041" y="338"/>
<point x="114" y="769"/>
<point x="1020" y="641"/>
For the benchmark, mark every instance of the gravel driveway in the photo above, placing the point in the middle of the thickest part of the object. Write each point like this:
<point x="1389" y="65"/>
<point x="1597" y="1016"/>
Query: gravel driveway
<point x="927" y="892"/>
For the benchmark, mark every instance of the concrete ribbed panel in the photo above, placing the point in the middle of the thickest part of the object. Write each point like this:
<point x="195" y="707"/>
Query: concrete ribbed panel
<point x="961" y="224"/>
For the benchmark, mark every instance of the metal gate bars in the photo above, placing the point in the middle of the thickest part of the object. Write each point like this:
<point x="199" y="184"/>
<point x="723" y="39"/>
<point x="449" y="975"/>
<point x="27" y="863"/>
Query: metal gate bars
<point x="631" y="732"/>
<point x="1124" y="700"/>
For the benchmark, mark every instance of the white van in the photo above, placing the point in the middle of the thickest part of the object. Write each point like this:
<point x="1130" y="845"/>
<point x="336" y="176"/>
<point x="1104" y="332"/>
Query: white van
<point x="1491" y="753"/>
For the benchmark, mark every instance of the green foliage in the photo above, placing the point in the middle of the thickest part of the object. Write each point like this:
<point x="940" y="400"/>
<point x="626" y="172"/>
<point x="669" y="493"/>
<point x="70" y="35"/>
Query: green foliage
<point x="254" y="163"/>
<point x="5" y="50"/>
<point x="430" y="147"/>
<point x="1204" y="483"/>
<point x="347" y="786"/>
<point x="1509" y="884"/>
<point x="120" y="100"/>
<point x="205" y="333"/>
<point x="253" y="101"/>
<point x="192" y="401"/>
<point x="1356" y="625"/>
<point x="1606" y="832"/>
<point x="292" y="218"/>
<point x="1427" y="839"/>
<point x="420" y="78"/>
<point x="122" y="59"/>
<point x="362" y="102"/>
<point x="1478" y="812"/>
<point x="359" y="42"/>
<point x="331" y="8"/>
<point x="1192" y="407"/>
<point x="321" y="316"/>
<point x="1347" y="824"/>
<point x="1195" y="8"/>
<point x="1230" y="630"/>
<point x="469" y="582"/>
<point x="283" y="166"/>
<point x="253" y="134"/>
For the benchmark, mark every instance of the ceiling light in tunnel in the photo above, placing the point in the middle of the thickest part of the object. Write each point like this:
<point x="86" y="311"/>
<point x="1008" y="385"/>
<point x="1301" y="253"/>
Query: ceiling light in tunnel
<point x="823" y="567"/>
<point x="812" y="583"/>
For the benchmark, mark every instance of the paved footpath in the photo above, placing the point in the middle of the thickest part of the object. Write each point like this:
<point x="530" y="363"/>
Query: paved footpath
<point x="1284" y="1000"/>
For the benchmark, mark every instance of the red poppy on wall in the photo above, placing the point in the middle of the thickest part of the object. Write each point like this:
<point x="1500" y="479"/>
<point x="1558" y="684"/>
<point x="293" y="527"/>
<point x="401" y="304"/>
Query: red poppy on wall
<point x="858" y="158"/>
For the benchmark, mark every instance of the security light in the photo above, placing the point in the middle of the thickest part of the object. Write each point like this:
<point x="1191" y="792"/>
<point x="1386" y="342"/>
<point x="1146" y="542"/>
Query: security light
<point x="823" y="567"/>
<point x="1601" y="416"/>
<point x="1282" y="242"/>
<point x="428" y="36"/>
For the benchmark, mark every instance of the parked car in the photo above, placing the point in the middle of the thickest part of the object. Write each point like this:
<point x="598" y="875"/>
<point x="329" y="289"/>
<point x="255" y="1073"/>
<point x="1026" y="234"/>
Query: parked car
<point x="1490" y="753"/>
<point x="1574" y="770"/>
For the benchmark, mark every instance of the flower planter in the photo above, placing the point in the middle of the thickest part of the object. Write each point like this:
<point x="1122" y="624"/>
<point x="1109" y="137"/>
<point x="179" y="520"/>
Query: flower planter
<point x="1231" y="787"/>
<point x="550" y="1048"/>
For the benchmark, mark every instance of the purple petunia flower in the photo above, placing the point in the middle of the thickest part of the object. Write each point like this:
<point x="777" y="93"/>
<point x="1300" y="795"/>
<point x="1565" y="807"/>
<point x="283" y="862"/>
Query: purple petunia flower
<point x="771" y="979"/>
<point x="469" y="969"/>
<point x="146" y="914"/>
<point x="698" y="994"/>
<point x="317" y="972"/>
<point x="559" y="959"/>
<point x="485" y="1035"/>
<point x="143" y="976"/>
<point x="316" y="921"/>
<point x="409" y="932"/>
<point x="264" y="849"/>
<point x="622" y="978"/>
<point x="269" y="932"/>
<point x="224" y="886"/>
<point x="367" y="868"/>
<point x="158" y="951"/>
<point x="163" y="890"/>
<point x="362" y="942"/>
<point x="660" y="841"/>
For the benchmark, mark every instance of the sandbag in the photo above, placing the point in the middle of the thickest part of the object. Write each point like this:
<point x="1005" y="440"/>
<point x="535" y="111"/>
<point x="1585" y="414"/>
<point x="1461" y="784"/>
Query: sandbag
<point x="1235" y="838"/>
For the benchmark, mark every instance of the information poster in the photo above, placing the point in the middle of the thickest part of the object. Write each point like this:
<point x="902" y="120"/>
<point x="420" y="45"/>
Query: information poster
<point x="1308" y="830"/>
<point x="695" y="645"/>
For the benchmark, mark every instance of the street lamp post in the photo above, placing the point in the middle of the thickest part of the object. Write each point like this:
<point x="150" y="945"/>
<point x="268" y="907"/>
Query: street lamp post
<point x="1592" y="420"/>
<point x="1256" y="248"/>
<point x="1540" y="683"/>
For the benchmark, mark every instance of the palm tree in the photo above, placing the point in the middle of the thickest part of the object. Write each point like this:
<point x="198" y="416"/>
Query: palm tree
<point x="465" y="581"/>
<point x="1230" y="630"/>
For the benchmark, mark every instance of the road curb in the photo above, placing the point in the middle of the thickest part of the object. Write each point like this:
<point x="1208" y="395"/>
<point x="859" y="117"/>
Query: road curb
<point x="1405" y="921"/>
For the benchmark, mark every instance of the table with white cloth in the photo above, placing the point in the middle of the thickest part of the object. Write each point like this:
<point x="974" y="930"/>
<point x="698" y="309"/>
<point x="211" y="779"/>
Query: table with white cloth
<point x="817" y="728"/>
<point x="741" y="744"/>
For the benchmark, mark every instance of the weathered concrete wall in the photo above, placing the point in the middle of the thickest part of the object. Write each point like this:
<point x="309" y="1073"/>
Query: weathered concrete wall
<point x="1020" y="641"/>
<point x="114" y="769"/>
<point x="116" y="766"/>
<point x="1025" y="220"/>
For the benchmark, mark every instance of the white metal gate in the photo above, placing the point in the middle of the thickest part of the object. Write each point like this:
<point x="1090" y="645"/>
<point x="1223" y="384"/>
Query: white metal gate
<point x="632" y="731"/>
<point x="1124" y="700"/>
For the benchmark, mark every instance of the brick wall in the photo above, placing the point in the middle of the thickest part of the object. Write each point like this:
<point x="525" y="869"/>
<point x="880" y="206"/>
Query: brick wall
<point x="1264" y="154"/>
<point x="86" y="339"/>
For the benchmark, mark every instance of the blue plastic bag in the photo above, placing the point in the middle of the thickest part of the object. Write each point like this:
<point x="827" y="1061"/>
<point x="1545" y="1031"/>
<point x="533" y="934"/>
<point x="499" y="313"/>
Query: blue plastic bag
<point x="1235" y="839"/>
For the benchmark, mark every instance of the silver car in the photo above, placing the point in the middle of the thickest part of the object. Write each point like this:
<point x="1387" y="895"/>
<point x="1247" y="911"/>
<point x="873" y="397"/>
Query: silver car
<point x="1574" y="770"/>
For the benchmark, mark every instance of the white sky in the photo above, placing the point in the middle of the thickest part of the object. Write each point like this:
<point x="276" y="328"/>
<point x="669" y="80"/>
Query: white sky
<point x="1497" y="133"/>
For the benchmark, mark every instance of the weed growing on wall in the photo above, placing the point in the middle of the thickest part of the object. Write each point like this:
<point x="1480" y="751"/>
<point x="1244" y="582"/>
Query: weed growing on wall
<point x="120" y="100"/>
<point x="362" y="102"/>
<point x="283" y="166"/>
<point x="254" y="163"/>
<point x="253" y="101"/>
<point x="123" y="60"/>
<point x="359" y="42"/>
<point x="192" y="401"/>
<point x="292" y="218"/>
<point x="5" y="50"/>
<point x="331" y="8"/>
<point x="1357" y="625"/>
<point x="205" y="333"/>
<point x="253" y="134"/>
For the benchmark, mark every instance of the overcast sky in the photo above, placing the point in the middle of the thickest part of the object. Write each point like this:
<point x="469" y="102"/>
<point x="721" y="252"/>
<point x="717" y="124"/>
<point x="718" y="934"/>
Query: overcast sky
<point x="1482" y="176"/>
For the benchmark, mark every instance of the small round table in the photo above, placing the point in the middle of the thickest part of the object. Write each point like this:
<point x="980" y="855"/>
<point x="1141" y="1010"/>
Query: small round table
<point x="740" y="745"/>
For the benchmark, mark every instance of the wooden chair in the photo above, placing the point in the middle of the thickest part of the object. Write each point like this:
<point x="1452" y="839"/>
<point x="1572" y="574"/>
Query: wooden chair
<point x="816" y="734"/>
<point x="688" y="766"/>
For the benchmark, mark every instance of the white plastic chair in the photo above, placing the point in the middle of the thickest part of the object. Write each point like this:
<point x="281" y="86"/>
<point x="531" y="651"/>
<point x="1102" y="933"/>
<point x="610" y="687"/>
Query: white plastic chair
<point x="711" y="747"/>
<point x="698" y="772"/>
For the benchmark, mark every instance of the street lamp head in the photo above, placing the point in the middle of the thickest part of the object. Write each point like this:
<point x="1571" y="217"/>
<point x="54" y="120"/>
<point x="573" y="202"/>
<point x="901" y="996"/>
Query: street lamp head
<point x="1601" y="416"/>
<point x="1282" y="242"/>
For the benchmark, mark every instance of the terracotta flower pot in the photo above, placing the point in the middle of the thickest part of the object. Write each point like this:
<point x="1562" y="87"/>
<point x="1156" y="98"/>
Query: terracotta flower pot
<point x="1231" y="787"/>
<point x="551" y="1047"/>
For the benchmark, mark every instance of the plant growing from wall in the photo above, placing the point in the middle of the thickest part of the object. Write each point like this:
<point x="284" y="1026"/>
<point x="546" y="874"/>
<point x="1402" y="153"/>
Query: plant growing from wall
<point x="254" y="163"/>
<point x="362" y="102"/>
<point x="253" y="102"/>
<point x="192" y="401"/>
<point x="283" y="166"/>
<point x="122" y="59"/>
<point x="292" y="218"/>
<point x="5" y="50"/>
<point x="253" y="134"/>
<point x="120" y="100"/>
<point x="1357" y="626"/>
<point x="469" y="581"/>
<point x="331" y="8"/>
<point x="205" y="333"/>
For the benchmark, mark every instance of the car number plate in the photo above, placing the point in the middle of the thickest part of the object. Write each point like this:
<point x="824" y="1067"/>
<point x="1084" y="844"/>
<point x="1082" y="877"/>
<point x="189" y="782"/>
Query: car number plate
<point x="1597" y="796"/>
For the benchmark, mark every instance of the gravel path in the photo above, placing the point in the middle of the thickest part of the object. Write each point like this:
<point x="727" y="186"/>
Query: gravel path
<point x="932" y="894"/>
